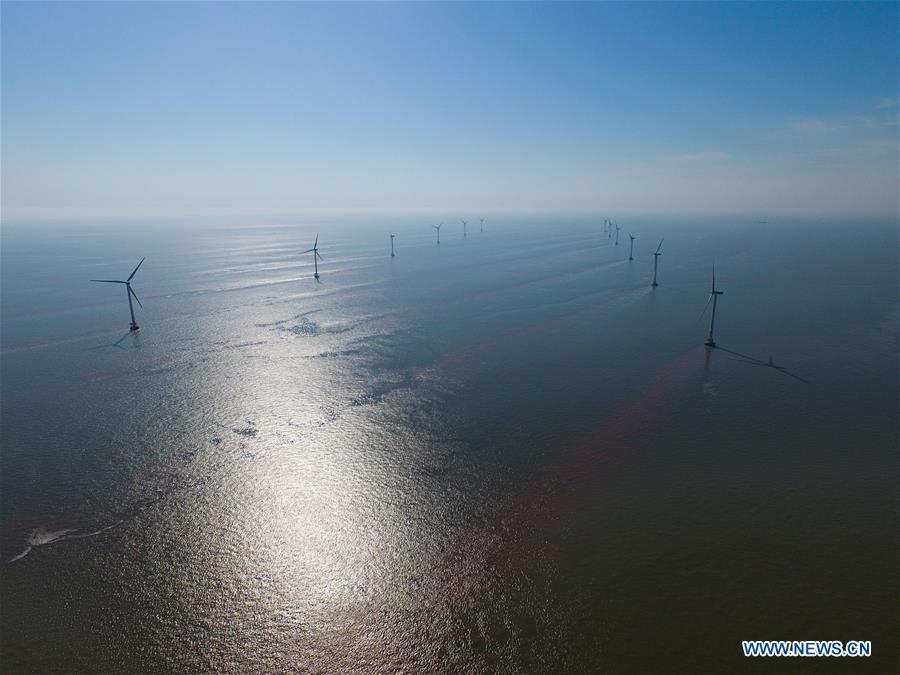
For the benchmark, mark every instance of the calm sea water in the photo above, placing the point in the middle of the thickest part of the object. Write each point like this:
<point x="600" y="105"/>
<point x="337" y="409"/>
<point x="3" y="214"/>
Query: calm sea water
<point x="505" y="453"/>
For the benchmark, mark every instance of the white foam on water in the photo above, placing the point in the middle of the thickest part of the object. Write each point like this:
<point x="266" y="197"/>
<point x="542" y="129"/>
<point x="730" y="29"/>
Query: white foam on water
<point x="43" y="537"/>
<point x="20" y="556"/>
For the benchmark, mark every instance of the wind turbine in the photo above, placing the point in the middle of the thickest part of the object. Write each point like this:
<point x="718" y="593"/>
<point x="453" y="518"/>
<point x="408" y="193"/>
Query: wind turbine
<point x="316" y="257"/>
<point x="482" y="225"/>
<point x="465" y="222"/>
<point x="438" y="228"/>
<point x="129" y="291"/>
<point x="631" y="250"/>
<point x="656" y="262"/>
<point x="714" y="297"/>
<point x="617" y="233"/>
<point x="392" y="244"/>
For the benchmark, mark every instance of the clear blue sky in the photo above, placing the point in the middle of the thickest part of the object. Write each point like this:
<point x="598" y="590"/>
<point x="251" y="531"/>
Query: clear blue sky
<point x="608" y="108"/>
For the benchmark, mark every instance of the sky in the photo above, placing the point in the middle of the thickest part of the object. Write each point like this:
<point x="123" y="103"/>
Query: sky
<point x="607" y="108"/>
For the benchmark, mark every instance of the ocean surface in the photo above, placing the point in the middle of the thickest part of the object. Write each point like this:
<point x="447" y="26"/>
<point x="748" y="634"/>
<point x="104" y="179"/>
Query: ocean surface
<point x="503" y="453"/>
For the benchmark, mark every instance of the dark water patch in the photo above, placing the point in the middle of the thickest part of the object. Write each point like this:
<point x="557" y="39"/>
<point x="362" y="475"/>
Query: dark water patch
<point x="248" y="430"/>
<point x="273" y="324"/>
<point x="305" y="327"/>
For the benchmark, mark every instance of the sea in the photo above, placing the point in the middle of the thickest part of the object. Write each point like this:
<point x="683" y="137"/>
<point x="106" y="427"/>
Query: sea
<point x="503" y="453"/>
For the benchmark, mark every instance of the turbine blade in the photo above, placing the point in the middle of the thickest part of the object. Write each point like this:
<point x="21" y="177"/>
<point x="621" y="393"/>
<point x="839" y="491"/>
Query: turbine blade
<point x="316" y="243"/>
<point x="134" y="295"/>
<point x="319" y="256"/>
<point x="660" y="245"/>
<point x="136" y="268"/>
<point x="110" y="281"/>
<point x="308" y="250"/>
<point x="705" y="307"/>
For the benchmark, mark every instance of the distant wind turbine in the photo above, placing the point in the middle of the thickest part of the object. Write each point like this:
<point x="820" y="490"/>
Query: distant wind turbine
<point x="316" y="257"/>
<point x="482" y="225"/>
<point x="392" y="244"/>
<point x="656" y="262"/>
<point x="128" y="290"/>
<point x="631" y="250"/>
<point x="617" y="234"/>
<point x="714" y="297"/>
<point x="465" y="223"/>
<point x="438" y="228"/>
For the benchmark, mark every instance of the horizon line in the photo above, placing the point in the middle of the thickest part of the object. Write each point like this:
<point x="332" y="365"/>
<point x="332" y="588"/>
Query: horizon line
<point x="26" y="215"/>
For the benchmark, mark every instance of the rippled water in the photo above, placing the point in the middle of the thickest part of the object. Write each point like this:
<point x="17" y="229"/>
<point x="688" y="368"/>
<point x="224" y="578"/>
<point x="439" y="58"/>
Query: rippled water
<point x="503" y="453"/>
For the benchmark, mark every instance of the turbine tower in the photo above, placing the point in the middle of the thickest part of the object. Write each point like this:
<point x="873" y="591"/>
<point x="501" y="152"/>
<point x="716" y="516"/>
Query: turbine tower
<point x="438" y="228"/>
<point x="713" y="297"/>
<point x="316" y="257"/>
<point x="465" y="223"/>
<point x="656" y="262"/>
<point x="392" y="244"/>
<point x="631" y="250"/>
<point x="617" y="233"/>
<point x="129" y="291"/>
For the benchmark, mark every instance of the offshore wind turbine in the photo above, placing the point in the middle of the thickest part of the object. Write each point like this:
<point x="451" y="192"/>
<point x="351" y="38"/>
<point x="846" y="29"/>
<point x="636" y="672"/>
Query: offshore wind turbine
<point x="316" y="257"/>
<point x="656" y="262"/>
<point x="617" y="233"/>
<point x="129" y="291"/>
<point x="438" y="228"/>
<point x="631" y="250"/>
<point x="713" y="297"/>
<point x="392" y="244"/>
<point x="465" y="233"/>
<point x="482" y="225"/>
